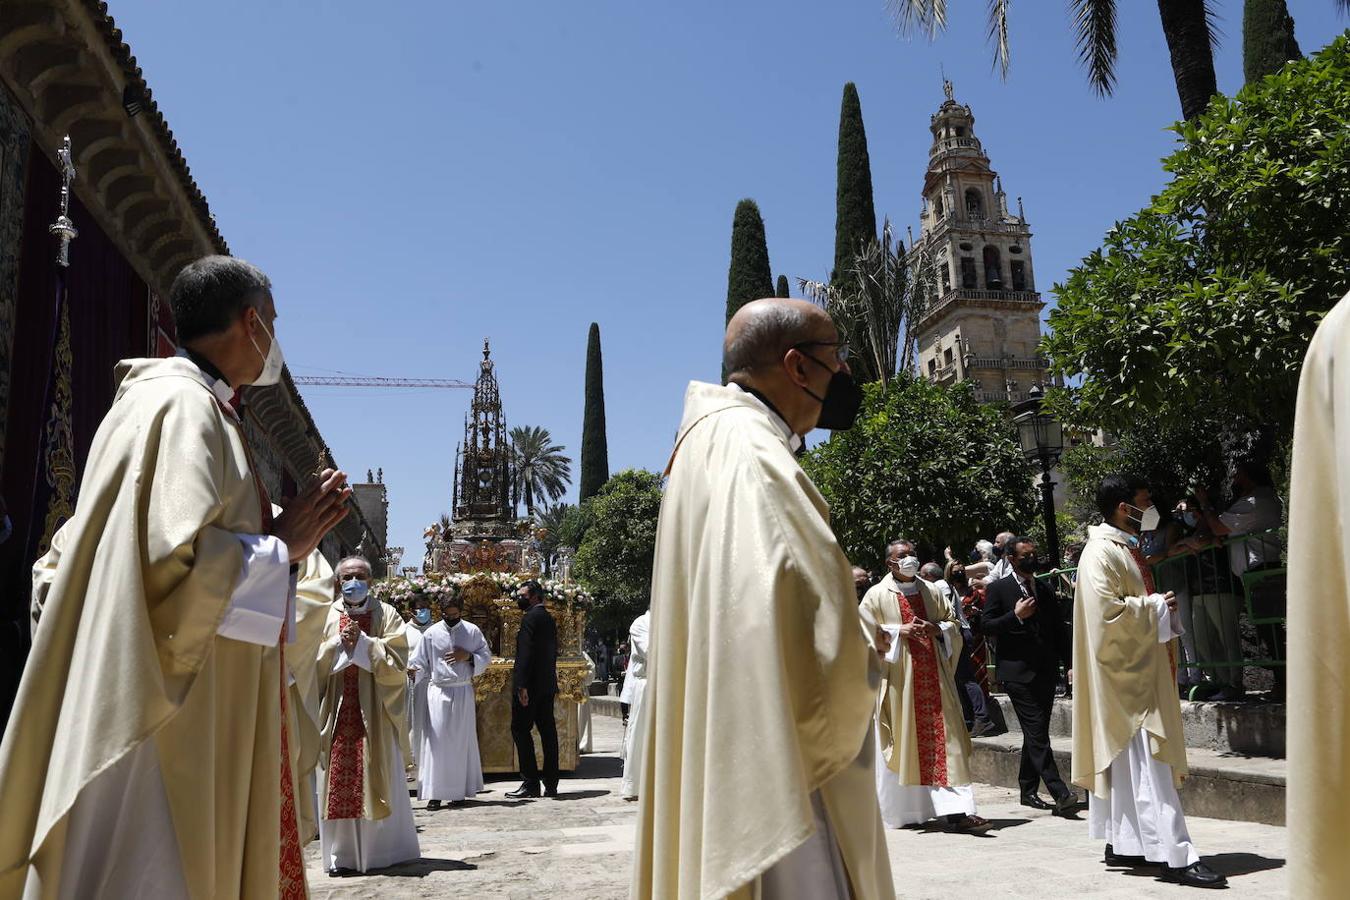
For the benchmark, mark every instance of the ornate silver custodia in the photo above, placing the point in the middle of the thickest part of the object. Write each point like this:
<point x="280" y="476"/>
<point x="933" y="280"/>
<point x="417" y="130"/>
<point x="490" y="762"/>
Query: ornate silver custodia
<point x="63" y="228"/>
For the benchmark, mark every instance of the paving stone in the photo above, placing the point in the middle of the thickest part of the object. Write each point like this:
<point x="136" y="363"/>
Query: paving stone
<point x="581" y="847"/>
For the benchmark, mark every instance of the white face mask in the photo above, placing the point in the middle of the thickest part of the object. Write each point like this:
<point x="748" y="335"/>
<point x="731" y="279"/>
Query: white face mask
<point x="1147" y="520"/>
<point x="272" y="360"/>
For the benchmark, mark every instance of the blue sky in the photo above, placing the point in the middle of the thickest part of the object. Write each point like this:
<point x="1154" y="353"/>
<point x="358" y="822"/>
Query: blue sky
<point x="416" y="176"/>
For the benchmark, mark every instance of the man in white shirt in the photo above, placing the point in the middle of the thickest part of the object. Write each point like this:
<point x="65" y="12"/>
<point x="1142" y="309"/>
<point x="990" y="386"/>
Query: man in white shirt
<point x="451" y="653"/>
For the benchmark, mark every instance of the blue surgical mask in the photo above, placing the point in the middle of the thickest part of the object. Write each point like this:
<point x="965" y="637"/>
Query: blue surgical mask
<point x="1190" y="518"/>
<point x="354" y="592"/>
<point x="423" y="616"/>
<point x="6" y="529"/>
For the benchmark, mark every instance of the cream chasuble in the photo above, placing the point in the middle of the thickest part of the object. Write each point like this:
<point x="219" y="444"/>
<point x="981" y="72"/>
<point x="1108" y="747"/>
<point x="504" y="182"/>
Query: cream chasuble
<point x="383" y="694"/>
<point x="1319" y="618"/>
<point x="147" y="568"/>
<point x="920" y="725"/>
<point x="1123" y="677"/>
<point x="761" y="683"/>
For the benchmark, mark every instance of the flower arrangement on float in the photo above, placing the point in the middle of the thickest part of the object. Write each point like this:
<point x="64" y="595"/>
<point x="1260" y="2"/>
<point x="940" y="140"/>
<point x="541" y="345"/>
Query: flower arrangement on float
<point x="401" y="590"/>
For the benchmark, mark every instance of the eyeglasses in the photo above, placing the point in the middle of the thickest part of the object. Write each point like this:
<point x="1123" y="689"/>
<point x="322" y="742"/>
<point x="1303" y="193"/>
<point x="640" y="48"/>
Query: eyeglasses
<point x="840" y="348"/>
<point x="352" y="576"/>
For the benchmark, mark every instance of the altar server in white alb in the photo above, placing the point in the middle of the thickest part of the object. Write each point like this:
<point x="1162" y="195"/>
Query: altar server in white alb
<point x="634" y="685"/>
<point x="1128" y="748"/>
<point x="450" y="654"/>
<point x="148" y="753"/>
<point x="421" y="620"/>
<point x="365" y="819"/>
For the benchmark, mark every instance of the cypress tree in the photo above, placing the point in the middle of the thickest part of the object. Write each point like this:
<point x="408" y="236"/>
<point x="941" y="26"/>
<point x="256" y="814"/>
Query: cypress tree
<point x="1267" y="38"/>
<point x="783" y="290"/>
<point x="855" y="218"/>
<point x="749" y="277"/>
<point x="594" y="446"/>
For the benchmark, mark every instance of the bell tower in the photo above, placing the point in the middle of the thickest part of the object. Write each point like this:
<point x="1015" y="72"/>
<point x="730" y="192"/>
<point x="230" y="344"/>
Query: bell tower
<point x="982" y="322"/>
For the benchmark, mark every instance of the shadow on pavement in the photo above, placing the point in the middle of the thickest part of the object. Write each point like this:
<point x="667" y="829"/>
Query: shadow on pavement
<point x="419" y="868"/>
<point x="466" y="804"/>
<point x="579" y="795"/>
<point x="1232" y="864"/>
<point x="599" y="766"/>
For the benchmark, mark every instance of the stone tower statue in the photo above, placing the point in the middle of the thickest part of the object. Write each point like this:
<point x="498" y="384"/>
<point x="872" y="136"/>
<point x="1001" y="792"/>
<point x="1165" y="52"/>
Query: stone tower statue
<point x="982" y="321"/>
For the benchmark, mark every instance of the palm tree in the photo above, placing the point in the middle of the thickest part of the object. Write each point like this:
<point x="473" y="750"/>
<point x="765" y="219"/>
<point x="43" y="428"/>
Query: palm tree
<point x="540" y="467"/>
<point x="1188" y="25"/>
<point x="550" y="520"/>
<point x="872" y="297"/>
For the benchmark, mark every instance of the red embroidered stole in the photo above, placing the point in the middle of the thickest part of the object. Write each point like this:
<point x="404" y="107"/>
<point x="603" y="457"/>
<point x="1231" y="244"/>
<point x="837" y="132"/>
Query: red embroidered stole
<point x="346" y="758"/>
<point x="1147" y="574"/>
<point x="930" y="728"/>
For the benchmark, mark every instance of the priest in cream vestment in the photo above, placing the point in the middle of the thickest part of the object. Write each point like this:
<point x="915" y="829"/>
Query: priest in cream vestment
<point x="1319" y="631"/>
<point x="365" y="817"/>
<point x="171" y="590"/>
<point x="1129" y="751"/>
<point x="923" y="768"/>
<point x="756" y="776"/>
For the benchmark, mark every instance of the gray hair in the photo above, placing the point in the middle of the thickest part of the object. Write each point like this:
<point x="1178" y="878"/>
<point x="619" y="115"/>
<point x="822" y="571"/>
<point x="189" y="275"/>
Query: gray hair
<point x="896" y="543"/>
<point x="931" y="570"/>
<point x="985" y="549"/>
<point x="765" y="336"/>
<point x="1002" y="538"/>
<point x="355" y="557"/>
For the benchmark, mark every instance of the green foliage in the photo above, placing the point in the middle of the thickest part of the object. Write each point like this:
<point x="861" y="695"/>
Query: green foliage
<point x="782" y="289"/>
<point x="927" y="462"/>
<point x="614" y="560"/>
<point x="1267" y="38"/>
<point x="594" y="443"/>
<point x="855" y="217"/>
<point x="1206" y="300"/>
<point x="541" y="470"/>
<point x="749" y="277"/>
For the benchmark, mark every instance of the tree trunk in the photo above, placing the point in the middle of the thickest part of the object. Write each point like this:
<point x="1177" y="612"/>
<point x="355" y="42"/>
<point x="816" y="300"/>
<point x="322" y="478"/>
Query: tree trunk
<point x="1188" y="39"/>
<point x="529" y="496"/>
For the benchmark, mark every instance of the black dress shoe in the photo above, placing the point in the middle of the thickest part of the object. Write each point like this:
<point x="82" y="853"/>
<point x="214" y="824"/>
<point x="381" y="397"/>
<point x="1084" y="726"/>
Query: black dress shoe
<point x="1113" y="858"/>
<point x="1068" y="804"/>
<point x="341" y="872"/>
<point x="1035" y="802"/>
<point x="433" y="805"/>
<point x="551" y="792"/>
<point x="525" y="790"/>
<point x="1195" y="875"/>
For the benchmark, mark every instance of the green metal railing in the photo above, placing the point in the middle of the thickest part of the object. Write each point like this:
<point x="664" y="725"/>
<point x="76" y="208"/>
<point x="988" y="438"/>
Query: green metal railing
<point x="1204" y="579"/>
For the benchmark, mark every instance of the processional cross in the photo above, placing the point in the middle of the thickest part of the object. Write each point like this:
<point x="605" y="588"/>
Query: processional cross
<point x="63" y="228"/>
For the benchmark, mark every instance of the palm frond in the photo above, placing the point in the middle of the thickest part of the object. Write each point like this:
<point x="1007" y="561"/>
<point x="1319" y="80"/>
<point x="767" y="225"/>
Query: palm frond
<point x="1212" y="20"/>
<point x="998" y="34"/>
<point x="928" y="16"/>
<point x="1344" y="6"/>
<point x="1094" y="24"/>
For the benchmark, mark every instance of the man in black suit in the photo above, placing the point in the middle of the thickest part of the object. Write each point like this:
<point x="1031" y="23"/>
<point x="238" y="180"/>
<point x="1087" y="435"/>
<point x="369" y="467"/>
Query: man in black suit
<point x="1022" y="616"/>
<point x="535" y="682"/>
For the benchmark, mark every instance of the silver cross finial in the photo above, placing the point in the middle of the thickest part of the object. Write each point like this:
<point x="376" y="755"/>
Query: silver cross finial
<point x="63" y="228"/>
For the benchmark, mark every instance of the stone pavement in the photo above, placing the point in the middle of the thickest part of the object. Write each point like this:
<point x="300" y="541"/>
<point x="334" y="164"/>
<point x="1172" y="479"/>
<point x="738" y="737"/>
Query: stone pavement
<point x="579" y="848"/>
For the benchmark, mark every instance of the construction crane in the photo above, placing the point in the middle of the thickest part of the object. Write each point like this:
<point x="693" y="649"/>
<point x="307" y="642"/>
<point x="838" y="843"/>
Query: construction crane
<point x="376" y="381"/>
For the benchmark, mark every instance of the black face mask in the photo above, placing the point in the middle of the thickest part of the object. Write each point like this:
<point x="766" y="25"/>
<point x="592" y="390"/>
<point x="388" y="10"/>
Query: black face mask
<point x="843" y="398"/>
<point x="998" y="552"/>
<point x="523" y="602"/>
<point x="1028" y="565"/>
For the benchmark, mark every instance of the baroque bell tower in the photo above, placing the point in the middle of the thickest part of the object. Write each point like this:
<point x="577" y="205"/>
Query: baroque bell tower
<point x="983" y="321"/>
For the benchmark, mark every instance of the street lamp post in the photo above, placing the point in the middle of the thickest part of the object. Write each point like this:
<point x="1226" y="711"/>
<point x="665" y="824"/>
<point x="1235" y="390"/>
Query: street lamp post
<point x="1042" y="439"/>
